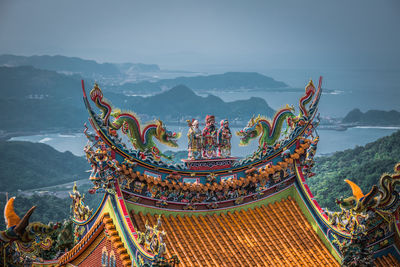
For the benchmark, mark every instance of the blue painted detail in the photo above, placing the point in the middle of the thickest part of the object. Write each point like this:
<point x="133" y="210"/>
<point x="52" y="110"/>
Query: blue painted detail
<point x="126" y="232"/>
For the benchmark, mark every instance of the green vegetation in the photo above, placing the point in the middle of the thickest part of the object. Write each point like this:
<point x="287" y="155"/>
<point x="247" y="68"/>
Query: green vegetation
<point x="362" y="165"/>
<point x="49" y="208"/>
<point x="26" y="165"/>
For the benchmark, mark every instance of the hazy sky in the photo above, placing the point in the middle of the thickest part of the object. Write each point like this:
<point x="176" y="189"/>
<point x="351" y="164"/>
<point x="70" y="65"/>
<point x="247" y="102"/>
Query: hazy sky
<point x="236" y="35"/>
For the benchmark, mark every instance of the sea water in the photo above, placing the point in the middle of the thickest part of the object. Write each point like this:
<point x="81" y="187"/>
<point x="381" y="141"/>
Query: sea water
<point x="330" y="140"/>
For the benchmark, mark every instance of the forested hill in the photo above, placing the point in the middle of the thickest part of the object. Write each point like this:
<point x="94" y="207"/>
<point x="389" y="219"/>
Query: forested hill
<point x="373" y="118"/>
<point x="42" y="100"/>
<point x="181" y="101"/>
<point x="26" y="165"/>
<point x="236" y="81"/>
<point x="84" y="67"/>
<point x="362" y="165"/>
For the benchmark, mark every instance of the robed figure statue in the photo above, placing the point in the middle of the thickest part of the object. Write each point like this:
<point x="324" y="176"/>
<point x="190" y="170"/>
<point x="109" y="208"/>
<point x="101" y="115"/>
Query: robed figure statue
<point x="210" y="138"/>
<point x="224" y="140"/>
<point x="194" y="140"/>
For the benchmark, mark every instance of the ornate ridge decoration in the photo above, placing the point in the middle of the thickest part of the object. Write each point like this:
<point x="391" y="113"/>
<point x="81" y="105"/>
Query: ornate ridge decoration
<point x="146" y="151"/>
<point x="263" y="128"/>
<point x="382" y="200"/>
<point x="152" y="239"/>
<point x="112" y="234"/>
<point x="79" y="210"/>
<point x="130" y="125"/>
<point x="255" y="176"/>
<point x="269" y="131"/>
<point x="367" y="217"/>
<point x="24" y="240"/>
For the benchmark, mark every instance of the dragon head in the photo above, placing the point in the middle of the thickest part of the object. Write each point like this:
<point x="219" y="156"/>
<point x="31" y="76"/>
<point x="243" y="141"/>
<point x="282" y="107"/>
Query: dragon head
<point x="359" y="202"/>
<point x="310" y="88"/>
<point x="250" y="132"/>
<point x="96" y="93"/>
<point x="166" y="137"/>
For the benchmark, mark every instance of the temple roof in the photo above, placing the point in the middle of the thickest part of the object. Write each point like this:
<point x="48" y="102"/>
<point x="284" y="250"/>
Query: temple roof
<point x="275" y="234"/>
<point x="388" y="260"/>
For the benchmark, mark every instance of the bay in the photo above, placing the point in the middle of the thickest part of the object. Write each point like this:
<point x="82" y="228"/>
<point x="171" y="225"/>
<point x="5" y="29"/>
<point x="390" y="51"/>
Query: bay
<point x="330" y="140"/>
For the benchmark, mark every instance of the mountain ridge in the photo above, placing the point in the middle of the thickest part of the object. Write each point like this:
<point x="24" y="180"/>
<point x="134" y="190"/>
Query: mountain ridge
<point x="372" y="118"/>
<point x="75" y="65"/>
<point x="35" y="165"/>
<point x="225" y="82"/>
<point x="39" y="100"/>
<point x="182" y="101"/>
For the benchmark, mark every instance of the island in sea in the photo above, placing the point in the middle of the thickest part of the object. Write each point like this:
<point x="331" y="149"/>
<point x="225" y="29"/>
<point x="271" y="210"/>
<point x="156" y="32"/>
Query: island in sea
<point x="37" y="100"/>
<point x="229" y="81"/>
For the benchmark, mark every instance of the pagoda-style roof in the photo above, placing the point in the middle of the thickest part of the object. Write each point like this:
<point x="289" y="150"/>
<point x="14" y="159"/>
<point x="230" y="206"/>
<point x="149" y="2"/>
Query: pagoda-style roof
<point x="221" y="211"/>
<point x="273" y="234"/>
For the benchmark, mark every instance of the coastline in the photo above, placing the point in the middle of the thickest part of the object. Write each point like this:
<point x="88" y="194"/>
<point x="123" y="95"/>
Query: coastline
<point x="7" y="135"/>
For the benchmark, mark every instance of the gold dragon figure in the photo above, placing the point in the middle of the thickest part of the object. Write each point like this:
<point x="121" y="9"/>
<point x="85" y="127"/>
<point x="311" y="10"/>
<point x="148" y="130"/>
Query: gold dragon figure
<point x="382" y="199"/>
<point x="152" y="238"/>
<point x="79" y="210"/>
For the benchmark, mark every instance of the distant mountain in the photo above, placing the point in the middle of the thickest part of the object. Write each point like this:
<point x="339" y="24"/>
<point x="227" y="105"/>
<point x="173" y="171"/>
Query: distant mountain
<point x="29" y="82"/>
<point x="112" y="75"/>
<point x="75" y="65"/>
<point x="362" y="165"/>
<point x="42" y="100"/>
<point x="181" y="102"/>
<point x="373" y="118"/>
<point x="26" y="165"/>
<point x="34" y="100"/>
<point x="230" y="81"/>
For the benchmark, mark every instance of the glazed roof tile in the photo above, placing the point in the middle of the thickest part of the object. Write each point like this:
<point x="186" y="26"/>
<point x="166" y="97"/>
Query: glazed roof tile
<point x="388" y="260"/>
<point x="277" y="234"/>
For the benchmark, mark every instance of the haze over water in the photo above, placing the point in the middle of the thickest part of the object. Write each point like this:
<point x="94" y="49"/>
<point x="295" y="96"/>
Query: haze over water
<point x="354" y="45"/>
<point x="363" y="89"/>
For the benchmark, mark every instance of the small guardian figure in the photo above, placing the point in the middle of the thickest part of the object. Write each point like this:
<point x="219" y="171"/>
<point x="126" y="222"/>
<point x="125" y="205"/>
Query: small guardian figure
<point x="194" y="140"/>
<point x="210" y="138"/>
<point x="224" y="140"/>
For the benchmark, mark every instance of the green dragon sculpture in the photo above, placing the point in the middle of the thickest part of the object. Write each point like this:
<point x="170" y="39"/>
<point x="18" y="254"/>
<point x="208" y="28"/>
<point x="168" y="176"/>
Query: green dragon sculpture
<point x="263" y="128"/>
<point x="129" y="124"/>
<point x="269" y="132"/>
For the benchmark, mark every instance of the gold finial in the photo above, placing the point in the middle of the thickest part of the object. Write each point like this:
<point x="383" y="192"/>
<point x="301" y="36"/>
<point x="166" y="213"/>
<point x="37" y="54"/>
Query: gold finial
<point x="96" y="86"/>
<point x="75" y="187"/>
<point x="310" y="83"/>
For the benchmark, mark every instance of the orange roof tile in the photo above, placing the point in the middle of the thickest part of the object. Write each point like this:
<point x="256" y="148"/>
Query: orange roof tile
<point x="276" y="234"/>
<point x="386" y="261"/>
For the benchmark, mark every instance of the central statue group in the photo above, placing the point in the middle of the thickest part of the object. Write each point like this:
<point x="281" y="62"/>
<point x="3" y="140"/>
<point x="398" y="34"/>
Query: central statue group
<point x="209" y="143"/>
